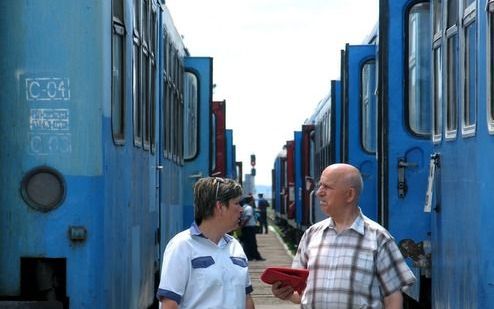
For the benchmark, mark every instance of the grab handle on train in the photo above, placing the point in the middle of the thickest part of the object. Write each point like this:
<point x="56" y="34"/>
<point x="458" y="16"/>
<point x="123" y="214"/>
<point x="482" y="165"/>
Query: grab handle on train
<point x="196" y="176"/>
<point x="402" y="181"/>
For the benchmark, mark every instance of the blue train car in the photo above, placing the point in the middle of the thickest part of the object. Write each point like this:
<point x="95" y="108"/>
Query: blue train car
<point x="103" y="119"/>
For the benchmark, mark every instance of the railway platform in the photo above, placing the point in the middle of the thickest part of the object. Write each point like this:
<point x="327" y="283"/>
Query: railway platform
<point x="275" y="252"/>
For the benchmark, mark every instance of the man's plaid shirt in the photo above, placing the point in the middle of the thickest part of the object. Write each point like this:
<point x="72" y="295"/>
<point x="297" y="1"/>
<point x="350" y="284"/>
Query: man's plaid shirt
<point x="353" y="269"/>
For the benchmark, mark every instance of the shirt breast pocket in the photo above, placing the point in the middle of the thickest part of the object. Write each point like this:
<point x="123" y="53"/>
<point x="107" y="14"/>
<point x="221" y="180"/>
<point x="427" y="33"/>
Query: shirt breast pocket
<point x="202" y="262"/>
<point x="364" y="270"/>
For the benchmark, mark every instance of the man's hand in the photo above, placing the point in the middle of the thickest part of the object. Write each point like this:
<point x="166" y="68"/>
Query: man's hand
<point x="285" y="292"/>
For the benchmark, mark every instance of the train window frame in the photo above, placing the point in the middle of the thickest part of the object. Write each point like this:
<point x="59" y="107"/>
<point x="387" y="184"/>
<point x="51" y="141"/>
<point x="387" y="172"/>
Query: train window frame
<point x="368" y="107"/>
<point x="118" y="73"/>
<point x="437" y="72"/>
<point x="191" y="115"/>
<point x="417" y="72"/>
<point x="490" y="66"/>
<point x="468" y="73"/>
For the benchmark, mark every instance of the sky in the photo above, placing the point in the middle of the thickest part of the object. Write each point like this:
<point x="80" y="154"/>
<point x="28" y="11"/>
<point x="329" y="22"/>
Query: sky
<point x="273" y="61"/>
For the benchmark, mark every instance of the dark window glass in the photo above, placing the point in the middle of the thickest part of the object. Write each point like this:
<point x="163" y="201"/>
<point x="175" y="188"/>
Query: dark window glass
<point x="438" y="91"/>
<point x="437" y="16"/>
<point x="470" y="100"/>
<point x="118" y="74"/>
<point x="452" y="83"/>
<point x="191" y="124"/>
<point x="419" y="57"/>
<point x="368" y="106"/>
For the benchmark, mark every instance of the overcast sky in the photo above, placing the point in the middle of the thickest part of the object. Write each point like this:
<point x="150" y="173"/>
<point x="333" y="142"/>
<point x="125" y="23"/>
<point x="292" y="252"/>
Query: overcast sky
<point x="273" y="62"/>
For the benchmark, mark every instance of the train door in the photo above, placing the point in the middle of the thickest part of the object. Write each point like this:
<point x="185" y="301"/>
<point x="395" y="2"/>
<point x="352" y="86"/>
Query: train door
<point x="197" y="152"/>
<point x="404" y="125"/>
<point x="359" y="122"/>
<point x="463" y="133"/>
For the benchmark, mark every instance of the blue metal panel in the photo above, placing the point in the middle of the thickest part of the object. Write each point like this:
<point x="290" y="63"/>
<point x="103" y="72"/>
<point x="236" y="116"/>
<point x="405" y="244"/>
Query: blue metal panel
<point x="356" y="57"/>
<point x="199" y="166"/>
<point x="299" y="177"/>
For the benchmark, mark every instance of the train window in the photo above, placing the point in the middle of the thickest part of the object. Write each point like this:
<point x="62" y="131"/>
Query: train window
<point x="438" y="93"/>
<point x="419" y="81"/>
<point x="135" y="11"/>
<point x="136" y="75"/>
<point x="136" y="98"/>
<point x="490" y="70"/>
<point x="467" y="3"/>
<point x="181" y="112"/>
<point x="369" y="107"/>
<point x="452" y="13"/>
<point x="469" y="111"/>
<point x="191" y="125"/>
<point x="452" y="84"/>
<point x="452" y="65"/>
<point x="145" y="93"/>
<point x="145" y="76"/>
<point x="437" y="17"/>
<point x="152" y="68"/>
<point x="118" y="74"/>
<point x="214" y="151"/>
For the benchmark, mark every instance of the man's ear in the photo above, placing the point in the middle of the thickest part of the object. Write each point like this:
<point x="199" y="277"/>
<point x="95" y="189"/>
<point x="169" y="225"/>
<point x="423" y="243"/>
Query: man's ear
<point x="351" y="194"/>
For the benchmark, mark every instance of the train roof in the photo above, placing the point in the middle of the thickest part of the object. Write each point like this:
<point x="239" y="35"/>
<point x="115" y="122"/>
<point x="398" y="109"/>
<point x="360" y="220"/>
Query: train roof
<point x="320" y="109"/>
<point x="371" y="38"/>
<point x="172" y="32"/>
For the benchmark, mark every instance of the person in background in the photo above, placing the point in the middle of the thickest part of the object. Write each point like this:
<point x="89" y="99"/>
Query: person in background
<point x="204" y="267"/>
<point x="263" y="205"/>
<point x="353" y="262"/>
<point x="249" y="226"/>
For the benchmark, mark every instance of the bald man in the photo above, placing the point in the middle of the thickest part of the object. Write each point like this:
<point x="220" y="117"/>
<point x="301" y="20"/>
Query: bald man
<point x="353" y="262"/>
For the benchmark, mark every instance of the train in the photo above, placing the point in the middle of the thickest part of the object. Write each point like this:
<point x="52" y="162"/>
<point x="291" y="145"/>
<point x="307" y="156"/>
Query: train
<point x="413" y="111"/>
<point x="106" y="122"/>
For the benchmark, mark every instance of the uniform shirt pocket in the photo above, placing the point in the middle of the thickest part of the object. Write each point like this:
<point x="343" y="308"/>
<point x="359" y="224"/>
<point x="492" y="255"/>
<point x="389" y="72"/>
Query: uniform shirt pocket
<point x="202" y="262"/>
<point x="239" y="261"/>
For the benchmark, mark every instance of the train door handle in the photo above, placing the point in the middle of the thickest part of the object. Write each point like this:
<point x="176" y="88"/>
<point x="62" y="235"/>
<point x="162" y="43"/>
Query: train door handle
<point x="402" y="181"/>
<point x="196" y="176"/>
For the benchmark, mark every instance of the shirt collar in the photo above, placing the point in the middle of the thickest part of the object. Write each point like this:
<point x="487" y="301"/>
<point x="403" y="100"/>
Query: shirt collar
<point x="195" y="231"/>
<point x="357" y="225"/>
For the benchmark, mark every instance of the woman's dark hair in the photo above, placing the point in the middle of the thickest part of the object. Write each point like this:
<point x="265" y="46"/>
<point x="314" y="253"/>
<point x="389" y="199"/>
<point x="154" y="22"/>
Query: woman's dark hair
<point x="209" y="190"/>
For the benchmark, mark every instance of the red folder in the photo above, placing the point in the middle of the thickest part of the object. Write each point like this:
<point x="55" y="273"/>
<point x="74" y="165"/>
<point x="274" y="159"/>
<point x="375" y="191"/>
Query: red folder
<point x="295" y="277"/>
